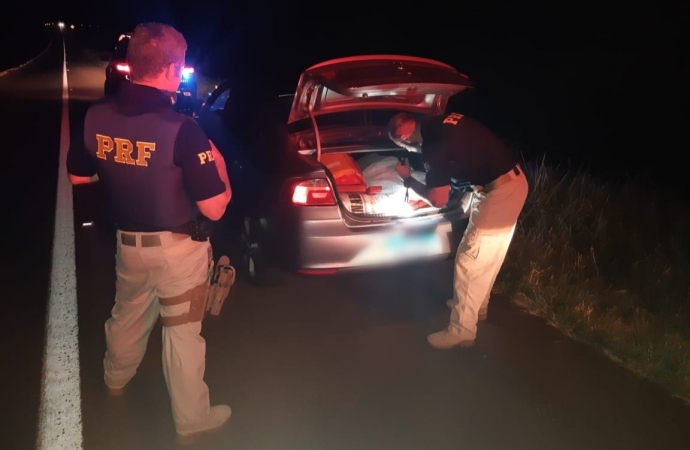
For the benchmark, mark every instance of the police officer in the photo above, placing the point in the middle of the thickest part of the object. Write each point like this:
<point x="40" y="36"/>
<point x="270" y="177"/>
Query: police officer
<point x="158" y="171"/>
<point x="458" y="148"/>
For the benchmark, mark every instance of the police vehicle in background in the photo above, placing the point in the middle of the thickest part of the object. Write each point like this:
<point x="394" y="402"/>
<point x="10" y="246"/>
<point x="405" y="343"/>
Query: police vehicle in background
<point x="117" y="72"/>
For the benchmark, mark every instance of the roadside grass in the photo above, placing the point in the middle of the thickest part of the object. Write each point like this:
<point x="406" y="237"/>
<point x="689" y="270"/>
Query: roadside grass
<point x="609" y="265"/>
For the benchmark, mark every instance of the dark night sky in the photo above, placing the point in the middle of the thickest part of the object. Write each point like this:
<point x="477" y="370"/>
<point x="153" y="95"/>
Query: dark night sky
<point x="599" y="78"/>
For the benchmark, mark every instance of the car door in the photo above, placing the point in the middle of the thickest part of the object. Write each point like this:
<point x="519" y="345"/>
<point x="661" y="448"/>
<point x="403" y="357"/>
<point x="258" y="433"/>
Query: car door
<point x="219" y="120"/>
<point x="224" y="121"/>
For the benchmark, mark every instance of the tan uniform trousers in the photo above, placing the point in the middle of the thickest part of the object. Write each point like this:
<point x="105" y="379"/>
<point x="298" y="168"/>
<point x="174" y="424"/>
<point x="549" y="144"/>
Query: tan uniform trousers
<point x="482" y="251"/>
<point x="146" y="273"/>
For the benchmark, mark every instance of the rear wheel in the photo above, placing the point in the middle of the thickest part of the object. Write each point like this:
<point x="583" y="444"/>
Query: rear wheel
<point x="256" y="264"/>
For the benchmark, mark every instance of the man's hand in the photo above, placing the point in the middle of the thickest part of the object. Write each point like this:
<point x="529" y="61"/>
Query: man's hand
<point x="403" y="170"/>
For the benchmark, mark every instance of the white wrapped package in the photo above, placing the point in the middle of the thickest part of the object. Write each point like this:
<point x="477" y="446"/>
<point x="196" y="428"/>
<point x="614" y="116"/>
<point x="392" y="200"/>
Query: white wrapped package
<point x="376" y="167"/>
<point x="380" y="171"/>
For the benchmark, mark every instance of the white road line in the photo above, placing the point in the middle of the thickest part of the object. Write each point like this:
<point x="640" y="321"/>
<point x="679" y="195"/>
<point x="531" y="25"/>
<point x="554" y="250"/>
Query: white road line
<point x="60" y="422"/>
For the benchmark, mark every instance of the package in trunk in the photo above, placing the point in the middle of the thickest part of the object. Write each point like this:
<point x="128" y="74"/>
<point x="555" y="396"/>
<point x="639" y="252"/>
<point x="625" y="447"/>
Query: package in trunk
<point x="371" y="186"/>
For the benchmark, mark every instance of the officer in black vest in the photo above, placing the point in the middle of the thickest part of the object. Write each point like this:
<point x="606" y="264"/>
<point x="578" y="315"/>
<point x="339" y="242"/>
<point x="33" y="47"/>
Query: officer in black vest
<point x="459" y="149"/>
<point x="159" y="171"/>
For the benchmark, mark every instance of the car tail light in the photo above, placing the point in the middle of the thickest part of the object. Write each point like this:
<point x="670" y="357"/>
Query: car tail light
<point x="122" y="68"/>
<point x="315" y="192"/>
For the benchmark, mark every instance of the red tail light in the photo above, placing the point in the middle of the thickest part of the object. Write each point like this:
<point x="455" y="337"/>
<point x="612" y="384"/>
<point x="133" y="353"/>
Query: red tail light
<point x="122" y="68"/>
<point x="315" y="192"/>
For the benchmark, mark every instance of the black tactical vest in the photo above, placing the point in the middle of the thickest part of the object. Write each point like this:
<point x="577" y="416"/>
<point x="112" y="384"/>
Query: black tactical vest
<point x="134" y="153"/>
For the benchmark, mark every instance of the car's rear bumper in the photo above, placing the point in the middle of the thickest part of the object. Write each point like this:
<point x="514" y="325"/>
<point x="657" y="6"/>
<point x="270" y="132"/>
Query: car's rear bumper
<point x="328" y="245"/>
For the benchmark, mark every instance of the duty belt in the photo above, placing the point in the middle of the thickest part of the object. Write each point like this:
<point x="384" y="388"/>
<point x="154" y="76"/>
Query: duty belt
<point x="148" y="240"/>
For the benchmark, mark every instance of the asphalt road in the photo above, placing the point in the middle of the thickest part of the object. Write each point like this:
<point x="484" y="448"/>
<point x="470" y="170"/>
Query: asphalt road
<point x="317" y="363"/>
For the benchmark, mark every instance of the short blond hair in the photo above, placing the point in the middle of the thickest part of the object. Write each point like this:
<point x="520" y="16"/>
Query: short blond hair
<point x="152" y="48"/>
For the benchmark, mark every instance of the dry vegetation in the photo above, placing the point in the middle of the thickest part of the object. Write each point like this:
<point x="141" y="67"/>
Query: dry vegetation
<point x="609" y="265"/>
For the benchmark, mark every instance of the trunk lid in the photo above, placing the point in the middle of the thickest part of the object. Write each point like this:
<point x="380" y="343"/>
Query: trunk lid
<point x="371" y="82"/>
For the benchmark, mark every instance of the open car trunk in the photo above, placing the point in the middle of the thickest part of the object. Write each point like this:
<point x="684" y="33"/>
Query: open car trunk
<point x="380" y="192"/>
<point x="340" y="111"/>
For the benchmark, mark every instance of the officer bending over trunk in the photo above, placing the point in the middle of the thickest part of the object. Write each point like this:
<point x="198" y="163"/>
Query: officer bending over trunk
<point x="159" y="171"/>
<point x="458" y="148"/>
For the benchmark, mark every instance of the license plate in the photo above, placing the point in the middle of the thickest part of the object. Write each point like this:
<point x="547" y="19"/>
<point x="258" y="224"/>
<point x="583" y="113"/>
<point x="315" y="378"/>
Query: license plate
<point x="400" y="246"/>
<point x="413" y="244"/>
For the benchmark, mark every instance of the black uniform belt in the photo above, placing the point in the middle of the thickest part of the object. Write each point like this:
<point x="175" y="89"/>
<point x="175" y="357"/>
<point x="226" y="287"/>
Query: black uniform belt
<point x="504" y="179"/>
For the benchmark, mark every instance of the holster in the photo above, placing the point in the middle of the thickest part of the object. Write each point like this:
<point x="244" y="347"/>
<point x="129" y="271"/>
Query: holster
<point x="200" y="229"/>
<point x="197" y="306"/>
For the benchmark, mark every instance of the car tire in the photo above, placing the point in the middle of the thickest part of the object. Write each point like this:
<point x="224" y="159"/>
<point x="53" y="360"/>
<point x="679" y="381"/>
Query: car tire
<point x="255" y="264"/>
